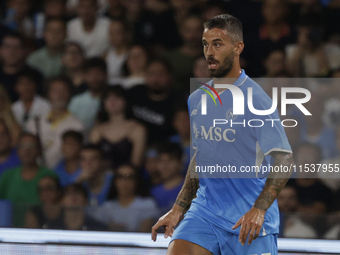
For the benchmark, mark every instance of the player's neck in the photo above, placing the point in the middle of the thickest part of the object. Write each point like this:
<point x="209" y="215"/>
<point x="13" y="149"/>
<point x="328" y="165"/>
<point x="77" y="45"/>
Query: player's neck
<point x="232" y="76"/>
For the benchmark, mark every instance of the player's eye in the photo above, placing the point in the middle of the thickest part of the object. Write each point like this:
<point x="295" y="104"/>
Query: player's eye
<point x="217" y="44"/>
<point x="204" y="44"/>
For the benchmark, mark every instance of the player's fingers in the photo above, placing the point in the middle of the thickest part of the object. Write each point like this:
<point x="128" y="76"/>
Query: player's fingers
<point x="257" y="232"/>
<point x="168" y="230"/>
<point x="251" y="234"/>
<point x="154" y="230"/>
<point x="242" y="232"/>
<point x="238" y="223"/>
<point x="245" y="234"/>
<point x="172" y="232"/>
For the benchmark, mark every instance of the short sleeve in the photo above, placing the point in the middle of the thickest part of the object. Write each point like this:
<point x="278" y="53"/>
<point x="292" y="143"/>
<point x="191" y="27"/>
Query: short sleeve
<point x="271" y="136"/>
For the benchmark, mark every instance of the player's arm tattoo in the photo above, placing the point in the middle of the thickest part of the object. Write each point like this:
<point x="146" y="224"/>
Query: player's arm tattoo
<point x="275" y="181"/>
<point x="190" y="186"/>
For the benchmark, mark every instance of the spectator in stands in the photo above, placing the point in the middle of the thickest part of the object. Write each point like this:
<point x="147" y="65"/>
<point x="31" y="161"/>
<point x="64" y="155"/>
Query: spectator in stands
<point x="133" y="11"/>
<point x="89" y="30"/>
<point x="330" y="175"/>
<point x="316" y="132"/>
<point x="152" y="174"/>
<point x="275" y="63"/>
<point x="181" y="124"/>
<point x="7" y="116"/>
<point x="291" y="223"/>
<point x="128" y="211"/>
<point x="85" y="106"/>
<point x="94" y="176"/>
<point x="74" y="217"/>
<point x="48" y="59"/>
<point x="275" y="33"/>
<point x="12" y="56"/>
<point x="213" y="8"/>
<point x="314" y="197"/>
<point x="50" y="192"/>
<point x="8" y="155"/>
<point x="170" y="165"/>
<point x="52" y="9"/>
<point x="134" y="67"/>
<point x="332" y="105"/>
<point x="200" y="68"/>
<point x="73" y="60"/>
<point x="182" y="59"/>
<point x="183" y="9"/>
<point x="18" y="17"/>
<point x="20" y="184"/>
<point x="311" y="56"/>
<point x="155" y="25"/>
<point x="115" y="10"/>
<point x="51" y="127"/>
<point x="68" y="169"/>
<point x="121" y="139"/>
<point x="117" y="53"/>
<point x="153" y="103"/>
<point x="30" y="105"/>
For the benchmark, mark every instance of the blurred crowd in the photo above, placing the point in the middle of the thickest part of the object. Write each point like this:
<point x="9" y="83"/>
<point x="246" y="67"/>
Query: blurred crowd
<point x="94" y="126"/>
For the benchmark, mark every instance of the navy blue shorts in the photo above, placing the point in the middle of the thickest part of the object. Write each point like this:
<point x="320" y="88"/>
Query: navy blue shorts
<point x="219" y="241"/>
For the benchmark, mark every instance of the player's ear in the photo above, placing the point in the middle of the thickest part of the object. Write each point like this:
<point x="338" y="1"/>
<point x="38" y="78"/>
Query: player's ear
<point x="238" y="48"/>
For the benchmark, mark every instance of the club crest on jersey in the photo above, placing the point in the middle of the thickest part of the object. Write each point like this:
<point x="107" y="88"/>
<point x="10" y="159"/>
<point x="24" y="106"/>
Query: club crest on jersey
<point x="230" y="115"/>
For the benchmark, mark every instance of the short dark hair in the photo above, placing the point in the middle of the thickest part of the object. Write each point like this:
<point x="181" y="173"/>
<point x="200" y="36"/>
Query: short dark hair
<point x="77" y="187"/>
<point x="28" y="134"/>
<point x="162" y="61"/>
<point x="93" y="147"/>
<point x="172" y="149"/>
<point x="94" y="62"/>
<point x="64" y="79"/>
<point x="229" y="23"/>
<point x="15" y="35"/>
<point x="29" y="75"/>
<point x="53" y="19"/>
<point x="73" y="134"/>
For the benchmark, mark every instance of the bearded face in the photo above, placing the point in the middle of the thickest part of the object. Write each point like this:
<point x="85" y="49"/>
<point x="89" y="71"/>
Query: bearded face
<point x="220" y="70"/>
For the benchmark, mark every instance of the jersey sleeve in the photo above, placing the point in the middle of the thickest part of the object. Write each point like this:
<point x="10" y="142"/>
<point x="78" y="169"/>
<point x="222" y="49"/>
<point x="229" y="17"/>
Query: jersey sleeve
<point x="271" y="136"/>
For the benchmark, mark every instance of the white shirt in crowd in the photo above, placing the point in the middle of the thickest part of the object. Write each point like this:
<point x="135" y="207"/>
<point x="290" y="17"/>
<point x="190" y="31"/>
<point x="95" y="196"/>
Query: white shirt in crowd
<point x="296" y="228"/>
<point x="50" y="134"/>
<point x="39" y="108"/>
<point x="114" y="66"/>
<point x="130" y="217"/>
<point x="94" y="43"/>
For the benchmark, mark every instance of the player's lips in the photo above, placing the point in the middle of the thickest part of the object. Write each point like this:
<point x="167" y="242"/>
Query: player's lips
<point x="212" y="64"/>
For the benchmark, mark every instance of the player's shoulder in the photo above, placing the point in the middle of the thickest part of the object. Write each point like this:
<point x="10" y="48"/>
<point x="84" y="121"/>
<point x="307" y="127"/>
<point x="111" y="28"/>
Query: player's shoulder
<point x="196" y="94"/>
<point x="257" y="90"/>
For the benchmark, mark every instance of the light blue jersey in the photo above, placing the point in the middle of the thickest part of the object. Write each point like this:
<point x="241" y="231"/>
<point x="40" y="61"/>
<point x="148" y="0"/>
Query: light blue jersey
<point x="224" y="199"/>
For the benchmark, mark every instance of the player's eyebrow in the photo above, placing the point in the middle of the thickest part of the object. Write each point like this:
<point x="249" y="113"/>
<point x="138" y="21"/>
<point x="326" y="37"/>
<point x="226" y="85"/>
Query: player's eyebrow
<point x="217" y="40"/>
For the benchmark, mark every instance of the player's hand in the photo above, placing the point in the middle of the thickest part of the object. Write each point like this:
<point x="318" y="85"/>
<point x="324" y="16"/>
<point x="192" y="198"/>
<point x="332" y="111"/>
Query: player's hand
<point x="168" y="221"/>
<point x="252" y="221"/>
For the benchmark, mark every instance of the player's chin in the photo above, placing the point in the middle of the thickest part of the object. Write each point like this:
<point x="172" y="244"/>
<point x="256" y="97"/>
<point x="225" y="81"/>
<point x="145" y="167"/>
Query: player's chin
<point x="212" y="72"/>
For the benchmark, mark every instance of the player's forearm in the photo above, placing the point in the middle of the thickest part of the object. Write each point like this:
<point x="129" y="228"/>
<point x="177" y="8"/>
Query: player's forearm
<point x="275" y="181"/>
<point x="189" y="189"/>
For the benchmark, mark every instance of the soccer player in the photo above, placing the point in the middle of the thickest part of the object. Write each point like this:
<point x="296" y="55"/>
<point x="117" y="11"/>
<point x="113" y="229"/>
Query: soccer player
<point x="229" y="215"/>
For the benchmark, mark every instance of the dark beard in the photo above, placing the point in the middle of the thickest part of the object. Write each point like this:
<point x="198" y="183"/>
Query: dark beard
<point x="225" y="68"/>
